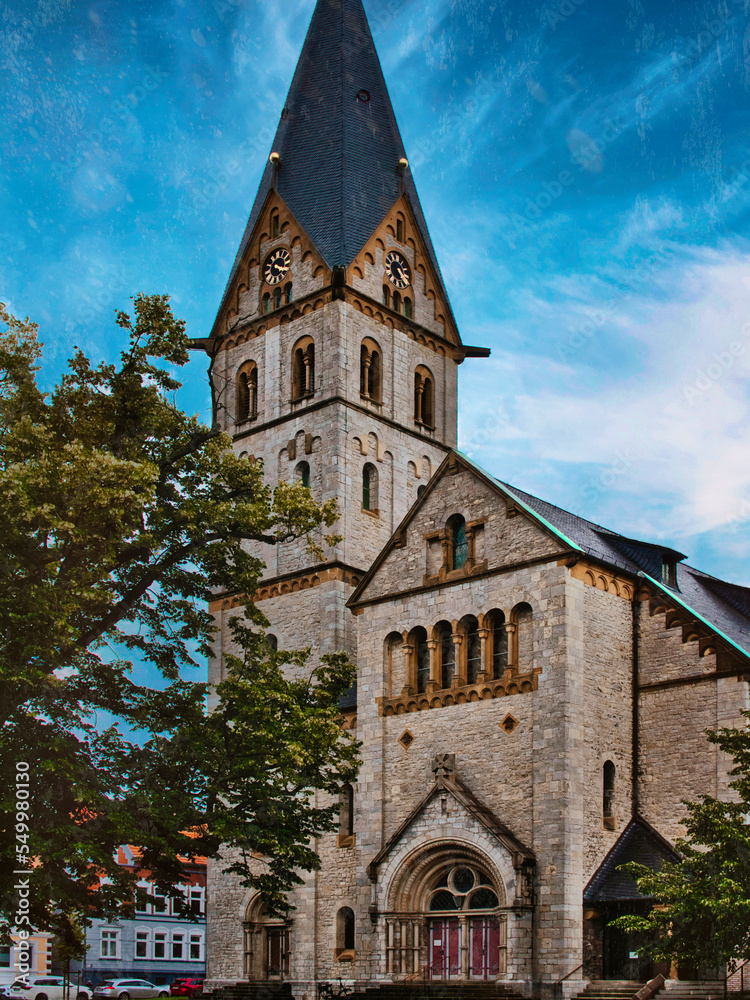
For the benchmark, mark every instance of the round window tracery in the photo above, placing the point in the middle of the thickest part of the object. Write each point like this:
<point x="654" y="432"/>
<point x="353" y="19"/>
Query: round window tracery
<point x="463" y="888"/>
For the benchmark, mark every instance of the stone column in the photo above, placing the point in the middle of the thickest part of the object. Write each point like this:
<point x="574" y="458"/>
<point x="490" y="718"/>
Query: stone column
<point x="463" y="943"/>
<point x="434" y="682"/>
<point x="459" y="677"/>
<point x="510" y="628"/>
<point x="410" y="672"/>
<point x="366" y="362"/>
<point x="486" y="650"/>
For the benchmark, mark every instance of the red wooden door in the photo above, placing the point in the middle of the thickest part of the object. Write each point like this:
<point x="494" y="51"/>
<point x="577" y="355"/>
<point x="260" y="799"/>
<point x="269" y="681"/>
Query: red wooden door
<point x="484" y="948"/>
<point x="445" y="960"/>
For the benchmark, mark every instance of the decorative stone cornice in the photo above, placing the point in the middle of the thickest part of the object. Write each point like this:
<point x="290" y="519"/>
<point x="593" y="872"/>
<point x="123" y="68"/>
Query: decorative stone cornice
<point x="291" y="583"/>
<point x="482" y="691"/>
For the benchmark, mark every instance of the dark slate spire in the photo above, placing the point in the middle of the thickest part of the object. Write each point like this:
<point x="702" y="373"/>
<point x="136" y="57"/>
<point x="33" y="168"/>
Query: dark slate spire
<point x="338" y="141"/>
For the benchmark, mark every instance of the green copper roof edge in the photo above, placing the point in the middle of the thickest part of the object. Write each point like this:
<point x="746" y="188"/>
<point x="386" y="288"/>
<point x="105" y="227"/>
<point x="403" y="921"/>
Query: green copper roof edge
<point x="674" y="596"/>
<point x="535" y="514"/>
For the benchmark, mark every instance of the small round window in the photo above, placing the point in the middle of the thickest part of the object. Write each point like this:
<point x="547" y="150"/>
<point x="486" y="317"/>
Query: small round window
<point x="363" y="96"/>
<point x="463" y="880"/>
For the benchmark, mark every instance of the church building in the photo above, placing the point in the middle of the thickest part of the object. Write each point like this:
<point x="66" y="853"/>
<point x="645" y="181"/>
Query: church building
<point x="532" y="689"/>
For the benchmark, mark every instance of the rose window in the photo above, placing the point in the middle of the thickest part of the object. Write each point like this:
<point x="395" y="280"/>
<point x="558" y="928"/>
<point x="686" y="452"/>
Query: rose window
<point x="463" y="888"/>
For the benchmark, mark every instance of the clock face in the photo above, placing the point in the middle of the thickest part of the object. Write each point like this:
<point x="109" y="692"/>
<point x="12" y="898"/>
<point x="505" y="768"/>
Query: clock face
<point x="276" y="266"/>
<point x="397" y="269"/>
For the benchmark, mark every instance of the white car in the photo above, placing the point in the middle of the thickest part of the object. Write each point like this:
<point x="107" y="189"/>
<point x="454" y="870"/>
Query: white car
<point x="48" y="988"/>
<point x="128" y="989"/>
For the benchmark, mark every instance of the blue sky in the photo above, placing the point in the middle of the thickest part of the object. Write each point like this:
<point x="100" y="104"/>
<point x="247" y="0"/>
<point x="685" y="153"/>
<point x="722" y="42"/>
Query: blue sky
<point x="584" y="167"/>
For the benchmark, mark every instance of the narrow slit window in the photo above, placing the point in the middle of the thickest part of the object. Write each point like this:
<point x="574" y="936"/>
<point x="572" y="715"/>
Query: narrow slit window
<point x="608" y="795"/>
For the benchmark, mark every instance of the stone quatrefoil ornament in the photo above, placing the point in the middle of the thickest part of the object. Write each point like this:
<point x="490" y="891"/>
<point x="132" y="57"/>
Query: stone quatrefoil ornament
<point x="444" y="765"/>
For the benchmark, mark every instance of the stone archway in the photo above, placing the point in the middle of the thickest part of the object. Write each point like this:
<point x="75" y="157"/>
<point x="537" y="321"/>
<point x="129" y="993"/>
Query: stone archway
<point x="267" y="944"/>
<point x="447" y="914"/>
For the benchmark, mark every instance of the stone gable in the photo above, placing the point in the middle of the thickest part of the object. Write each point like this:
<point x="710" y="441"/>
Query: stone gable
<point x="505" y="537"/>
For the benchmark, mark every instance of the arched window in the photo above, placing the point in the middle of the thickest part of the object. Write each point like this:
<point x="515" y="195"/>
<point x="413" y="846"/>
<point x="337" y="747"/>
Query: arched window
<point x="473" y="648"/>
<point x="267" y="302"/>
<point x="459" y="543"/>
<point x="424" y="397"/>
<point x="345" y="933"/>
<point x="277" y="298"/>
<point x="396" y="302"/>
<point x="386" y="296"/>
<point x="370" y="368"/>
<point x="303" y="472"/>
<point x="522" y="617"/>
<point x="400" y="230"/>
<point x="288" y="292"/>
<point x="272" y="641"/>
<point x="346" y="812"/>
<point x="274" y="224"/>
<point x="499" y="643"/>
<point x="247" y="392"/>
<point x="407" y="307"/>
<point x="303" y="368"/>
<point x="393" y="661"/>
<point x="420" y="490"/>
<point x="418" y="639"/>
<point x="608" y="795"/>
<point x="447" y="654"/>
<point x="370" y="487"/>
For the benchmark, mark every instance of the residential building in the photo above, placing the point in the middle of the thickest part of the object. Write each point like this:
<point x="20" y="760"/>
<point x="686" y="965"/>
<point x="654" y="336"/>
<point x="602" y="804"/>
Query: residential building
<point x="156" y="943"/>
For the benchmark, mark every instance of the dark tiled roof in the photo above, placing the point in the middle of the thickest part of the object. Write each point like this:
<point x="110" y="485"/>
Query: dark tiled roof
<point x="725" y="606"/>
<point x="339" y="153"/>
<point x="639" y="842"/>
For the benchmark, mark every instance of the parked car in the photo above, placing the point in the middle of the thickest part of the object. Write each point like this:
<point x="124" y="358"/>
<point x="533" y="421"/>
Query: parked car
<point x="48" y="988"/>
<point x="186" y="987"/>
<point x="128" y="989"/>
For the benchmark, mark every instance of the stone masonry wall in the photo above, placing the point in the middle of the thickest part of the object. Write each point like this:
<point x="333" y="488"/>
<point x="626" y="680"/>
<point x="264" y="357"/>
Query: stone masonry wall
<point x="676" y="760"/>
<point x="606" y="717"/>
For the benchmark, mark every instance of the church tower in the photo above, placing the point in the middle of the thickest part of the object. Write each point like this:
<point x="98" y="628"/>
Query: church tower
<point x="335" y="350"/>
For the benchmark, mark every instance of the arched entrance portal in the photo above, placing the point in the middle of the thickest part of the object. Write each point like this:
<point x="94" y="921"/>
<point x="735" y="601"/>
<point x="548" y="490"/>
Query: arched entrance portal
<point x="267" y="944"/>
<point x="449" y="919"/>
<point x="463" y="928"/>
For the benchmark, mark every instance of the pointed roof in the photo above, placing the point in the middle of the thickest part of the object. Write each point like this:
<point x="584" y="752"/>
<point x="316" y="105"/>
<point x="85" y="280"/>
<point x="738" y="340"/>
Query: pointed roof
<point x="639" y="842"/>
<point x="339" y="143"/>
<point x="518" y="851"/>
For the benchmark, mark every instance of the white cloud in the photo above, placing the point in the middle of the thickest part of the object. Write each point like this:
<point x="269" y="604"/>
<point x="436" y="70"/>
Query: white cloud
<point x="677" y="433"/>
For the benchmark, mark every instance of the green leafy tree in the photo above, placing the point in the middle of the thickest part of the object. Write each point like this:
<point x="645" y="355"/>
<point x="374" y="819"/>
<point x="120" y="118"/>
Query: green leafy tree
<point x="120" y="516"/>
<point x="702" y="912"/>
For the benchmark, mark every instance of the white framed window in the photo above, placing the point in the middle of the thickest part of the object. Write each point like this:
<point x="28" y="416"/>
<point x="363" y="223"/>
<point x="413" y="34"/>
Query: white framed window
<point x="161" y="903"/>
<point x="196" y="948"/>
<point x="110" y="943"/>
<point x="142" y="890"/>
<point x="197" y="899"/>
<point x="178" y="945"/>
<point x="160" y="944"/>
<point x="141" y="944"/>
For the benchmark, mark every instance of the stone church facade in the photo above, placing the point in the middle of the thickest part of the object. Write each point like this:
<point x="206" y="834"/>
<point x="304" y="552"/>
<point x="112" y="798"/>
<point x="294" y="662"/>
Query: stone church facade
<point x="532" y="688"/>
